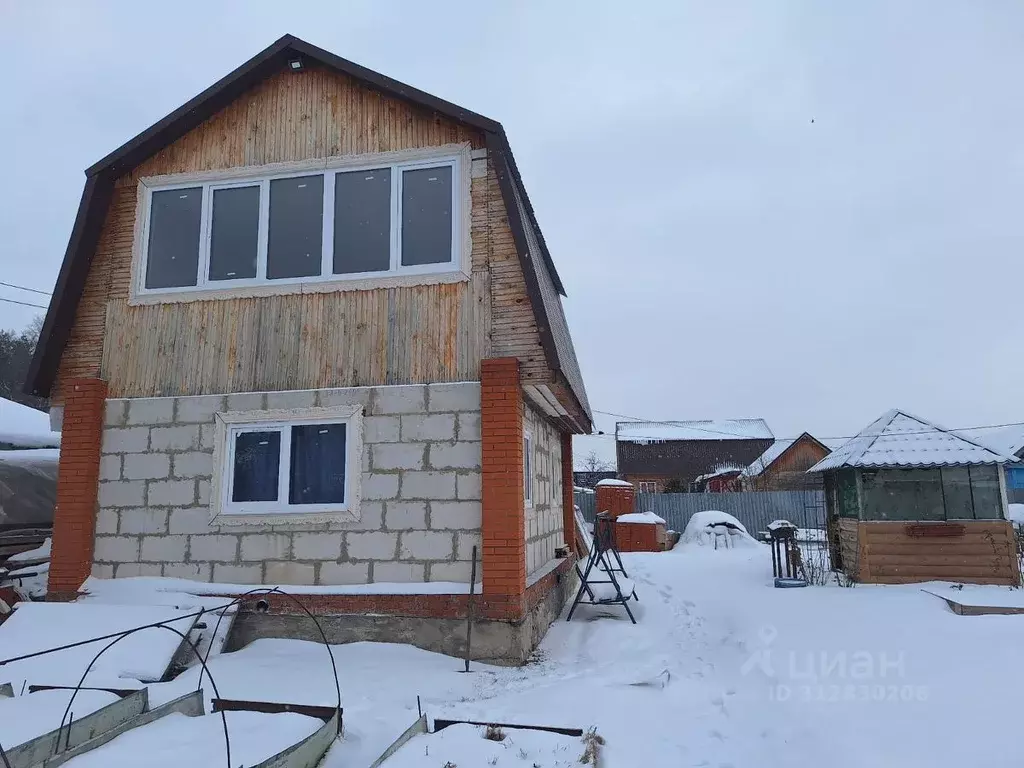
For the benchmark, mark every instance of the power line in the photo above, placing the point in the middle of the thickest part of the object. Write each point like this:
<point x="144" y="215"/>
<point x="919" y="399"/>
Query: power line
<point x="25" y="288"/>
<point x="23" y="303"/>
<point x="657" y="422"/>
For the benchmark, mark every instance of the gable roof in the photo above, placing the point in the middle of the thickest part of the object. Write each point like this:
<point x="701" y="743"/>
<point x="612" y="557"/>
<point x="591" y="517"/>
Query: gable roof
<point x="705" y="429"/>
<point x="897" y="439"/>
<point x="775" y="452"/>
<point x="544" y="286"/>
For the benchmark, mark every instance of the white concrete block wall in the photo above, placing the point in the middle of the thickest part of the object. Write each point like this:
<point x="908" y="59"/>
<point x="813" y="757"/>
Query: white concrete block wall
<point x="420" y="510"/>
<point x="545" y="530"/>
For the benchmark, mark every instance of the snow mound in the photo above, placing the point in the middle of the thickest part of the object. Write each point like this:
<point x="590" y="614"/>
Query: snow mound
<point x="647" y="518"/>
<point x="716" y="529"/>
<point x="1015" y="514"/>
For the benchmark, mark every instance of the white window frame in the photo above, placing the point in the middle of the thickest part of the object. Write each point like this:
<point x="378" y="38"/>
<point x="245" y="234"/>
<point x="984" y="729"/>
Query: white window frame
<point x="644" y="484"/>
<point x="456" y="157"/>
<point x="228" y="425"/>
<point x="528" y="468"/>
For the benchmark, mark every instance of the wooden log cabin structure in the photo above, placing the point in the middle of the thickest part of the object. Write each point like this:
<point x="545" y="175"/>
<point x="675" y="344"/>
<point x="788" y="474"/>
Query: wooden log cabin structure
<point x="308" y="332"/>
<point x="910" y="501"/>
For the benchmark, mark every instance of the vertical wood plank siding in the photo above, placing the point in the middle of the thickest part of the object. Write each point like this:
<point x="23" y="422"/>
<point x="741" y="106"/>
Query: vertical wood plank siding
<point x="382" y="336"/>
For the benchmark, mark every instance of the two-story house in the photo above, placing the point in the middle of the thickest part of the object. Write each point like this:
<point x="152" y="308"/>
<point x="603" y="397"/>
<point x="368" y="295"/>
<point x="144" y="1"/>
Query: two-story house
<point x="308" y="332"/>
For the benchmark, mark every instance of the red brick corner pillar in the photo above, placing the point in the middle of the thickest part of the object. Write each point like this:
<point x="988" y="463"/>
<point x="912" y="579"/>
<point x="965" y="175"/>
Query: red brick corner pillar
<point x="503" y="502"/>
<point x="78" y="475"/>
<point x="568" y="501"/>
<point x="615" y="497"/>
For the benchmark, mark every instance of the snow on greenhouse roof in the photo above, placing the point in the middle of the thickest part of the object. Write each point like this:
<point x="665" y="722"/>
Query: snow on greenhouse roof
<point x="25" y="427"/>
<point x="709" y="429"/>
<point x="898" y="439"/>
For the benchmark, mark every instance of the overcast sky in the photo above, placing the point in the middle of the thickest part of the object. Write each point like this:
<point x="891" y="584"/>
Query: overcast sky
<point x="806" y="212"/>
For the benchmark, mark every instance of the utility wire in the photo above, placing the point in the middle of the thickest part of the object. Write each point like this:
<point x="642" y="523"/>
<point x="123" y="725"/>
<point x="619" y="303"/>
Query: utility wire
<point x="656" y="422"/>
<point x="25" y="288"/>
<point x="23" y="303"/>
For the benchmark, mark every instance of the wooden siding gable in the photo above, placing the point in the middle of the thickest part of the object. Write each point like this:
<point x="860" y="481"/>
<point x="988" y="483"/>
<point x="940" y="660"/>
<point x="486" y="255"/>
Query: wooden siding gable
<point x="262" y="114"/>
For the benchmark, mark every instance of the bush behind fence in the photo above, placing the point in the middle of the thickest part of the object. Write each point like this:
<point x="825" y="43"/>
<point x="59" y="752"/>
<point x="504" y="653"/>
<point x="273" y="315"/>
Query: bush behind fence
<point x="754" y="509"/>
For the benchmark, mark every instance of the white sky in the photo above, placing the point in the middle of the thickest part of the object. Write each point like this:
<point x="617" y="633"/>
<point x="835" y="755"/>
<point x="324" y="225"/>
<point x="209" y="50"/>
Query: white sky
<point x="724" y="255"/>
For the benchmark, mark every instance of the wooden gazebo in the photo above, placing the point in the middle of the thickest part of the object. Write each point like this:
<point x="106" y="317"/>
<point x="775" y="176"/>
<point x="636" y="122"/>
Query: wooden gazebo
<point x="910" y="501"/>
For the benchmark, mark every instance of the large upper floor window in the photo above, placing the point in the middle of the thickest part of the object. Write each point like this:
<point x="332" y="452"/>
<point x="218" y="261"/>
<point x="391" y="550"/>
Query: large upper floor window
<point x="354" y="221"/>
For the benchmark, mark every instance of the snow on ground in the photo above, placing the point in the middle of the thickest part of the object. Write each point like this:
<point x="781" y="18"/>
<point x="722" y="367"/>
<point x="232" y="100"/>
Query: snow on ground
<point x="715" y="530"/>
<point x="176" y="740"/>
<point x="23" y="718"/>
<point x="976" y="595"/>
<point x="39" y="626"/>
<point x="466" y="745"/>
<point x="722" y="670"/>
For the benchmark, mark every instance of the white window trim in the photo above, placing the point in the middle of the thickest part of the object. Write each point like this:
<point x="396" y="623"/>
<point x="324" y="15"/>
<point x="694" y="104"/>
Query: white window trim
<point x="457" y="156"/>
<point x="528" y="468"/>
<point x="225" y="512"/>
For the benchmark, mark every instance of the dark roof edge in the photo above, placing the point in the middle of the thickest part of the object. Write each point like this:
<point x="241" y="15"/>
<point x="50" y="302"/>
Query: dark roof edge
<point x="60" y="314"/>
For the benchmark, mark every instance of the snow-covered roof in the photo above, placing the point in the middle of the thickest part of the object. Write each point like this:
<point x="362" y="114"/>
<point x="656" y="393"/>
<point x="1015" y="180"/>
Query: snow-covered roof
<point x="725" y="469"/>
<point x="705" y="429"/>
<point x="616" y="483"/>
<point x="25" y="427"/>
<point x="1008" y="440"/>
<point x="897" y="439"/>
<point x="762" y="462"/>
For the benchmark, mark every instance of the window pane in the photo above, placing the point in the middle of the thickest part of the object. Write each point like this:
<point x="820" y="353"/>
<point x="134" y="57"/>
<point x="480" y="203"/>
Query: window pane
<point x="902" y="494"/>
<point x="427" y="216"/>
<point x="847" y="493"/>
<point x="318" y="464"/>
<point x="362" y="221"/>
<point x="257" y="460"/>
<point x="956" y="489"/>
<point x="988" y="501"/>
<point x="295" y="239"/>
<point x="234" y="234"/>
<point x="172" y="259"/>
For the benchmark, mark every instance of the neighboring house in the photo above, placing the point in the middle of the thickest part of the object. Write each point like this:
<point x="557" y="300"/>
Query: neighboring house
<point x="655" y="454"/>
<point x="591" y="479"/>
<point x="308" y="332"/>
<point x="1008" y="440"/>
<point x="909" y="501"/>
<point x="28" y="466"/>
<point x="783" y="466"/>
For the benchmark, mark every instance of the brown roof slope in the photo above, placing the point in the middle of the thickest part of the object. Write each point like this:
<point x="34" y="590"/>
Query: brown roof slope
<point x="542" y="278"/>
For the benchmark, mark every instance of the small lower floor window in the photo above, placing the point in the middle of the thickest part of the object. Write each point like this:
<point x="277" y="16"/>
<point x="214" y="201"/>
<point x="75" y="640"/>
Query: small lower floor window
<point x="648" y="486"/>
<point x="295" y="466"/>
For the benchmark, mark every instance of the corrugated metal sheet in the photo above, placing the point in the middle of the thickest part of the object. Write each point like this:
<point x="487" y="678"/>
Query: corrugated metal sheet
<point x="755" y="510"/>
<point x="897" y="439"/>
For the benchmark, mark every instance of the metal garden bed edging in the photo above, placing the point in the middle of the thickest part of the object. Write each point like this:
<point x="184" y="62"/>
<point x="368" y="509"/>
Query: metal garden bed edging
<point x="190" y="705"/>
<point x="37" y="751"/>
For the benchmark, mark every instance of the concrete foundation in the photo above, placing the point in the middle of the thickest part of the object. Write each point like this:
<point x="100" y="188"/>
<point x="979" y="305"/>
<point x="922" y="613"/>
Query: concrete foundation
<point x="494" y="641"/>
